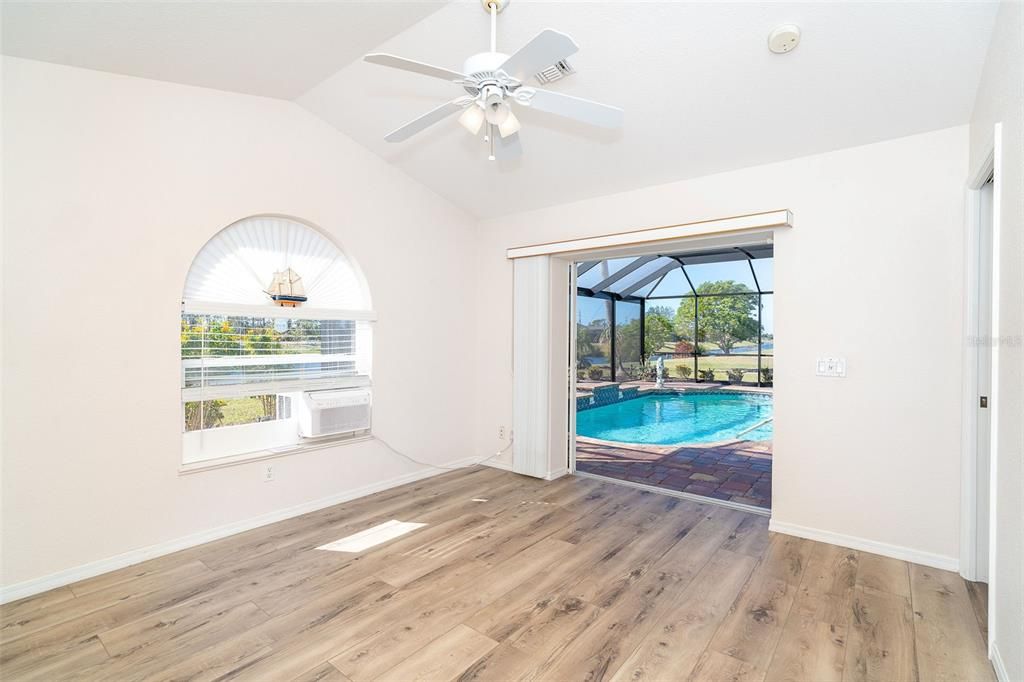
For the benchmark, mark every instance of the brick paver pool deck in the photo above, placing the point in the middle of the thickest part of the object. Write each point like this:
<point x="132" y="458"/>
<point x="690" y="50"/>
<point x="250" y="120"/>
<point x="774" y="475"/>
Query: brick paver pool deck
<point x="740" y="471"/>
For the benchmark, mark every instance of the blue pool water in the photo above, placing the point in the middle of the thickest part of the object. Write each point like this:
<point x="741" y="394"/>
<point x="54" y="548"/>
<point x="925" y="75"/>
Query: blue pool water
<point x="675" y="418"/>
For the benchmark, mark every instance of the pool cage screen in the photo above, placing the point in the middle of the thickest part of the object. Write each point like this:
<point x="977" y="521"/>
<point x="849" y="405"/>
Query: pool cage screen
<point x="709" y="315"/>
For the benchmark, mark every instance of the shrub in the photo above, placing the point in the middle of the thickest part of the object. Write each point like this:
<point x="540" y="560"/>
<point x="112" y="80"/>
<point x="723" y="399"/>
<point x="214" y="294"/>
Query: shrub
<point x="736" y="374"/>
<point x="767" y="375"/>
<point x="707" y="374"/>
<point x="595" y="373"/>
<point x="684" y="348"/>
<point x="684" y="371"/>
<point x="638" y="372"/>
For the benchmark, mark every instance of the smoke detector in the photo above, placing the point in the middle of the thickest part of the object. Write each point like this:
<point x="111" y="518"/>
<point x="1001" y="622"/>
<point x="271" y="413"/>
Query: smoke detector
<point x="784" y="39"/>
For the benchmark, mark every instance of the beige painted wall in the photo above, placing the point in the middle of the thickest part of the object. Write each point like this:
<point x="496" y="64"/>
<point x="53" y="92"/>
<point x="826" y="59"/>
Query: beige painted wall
<point x="144" y="183"/>
<point x="871" y="271"/>
<point x="1000" y="99"/>
<point x="112" y="184"/>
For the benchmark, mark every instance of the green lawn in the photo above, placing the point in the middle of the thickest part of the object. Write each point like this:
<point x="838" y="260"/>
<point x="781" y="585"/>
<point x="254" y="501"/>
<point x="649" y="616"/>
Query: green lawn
<point x="720" y="363"/>
<point x="242" y="411"/>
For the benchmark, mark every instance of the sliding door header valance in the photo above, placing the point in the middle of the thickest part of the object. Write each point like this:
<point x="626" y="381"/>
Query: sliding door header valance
<point x="655" y="235"/>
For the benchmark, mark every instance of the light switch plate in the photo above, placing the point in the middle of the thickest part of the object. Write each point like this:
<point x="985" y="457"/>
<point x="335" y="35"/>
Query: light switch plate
<point x="831" y="367"/>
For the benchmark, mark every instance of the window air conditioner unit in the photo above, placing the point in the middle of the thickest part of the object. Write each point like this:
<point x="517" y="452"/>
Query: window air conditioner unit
<point x="333" y="412"/>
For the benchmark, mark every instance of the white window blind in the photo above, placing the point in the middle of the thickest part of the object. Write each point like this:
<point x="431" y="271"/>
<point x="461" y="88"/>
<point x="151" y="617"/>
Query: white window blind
<point x="227" y="355"/>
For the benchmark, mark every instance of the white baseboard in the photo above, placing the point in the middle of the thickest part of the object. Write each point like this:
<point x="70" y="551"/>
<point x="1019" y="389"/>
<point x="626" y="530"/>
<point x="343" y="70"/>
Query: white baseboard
<point x="507" y="466"/>
<point x="66" y="577"/>
<point x="997" y="664"/>
<point x="498" y="464"/>
<point x="946" y="563"/>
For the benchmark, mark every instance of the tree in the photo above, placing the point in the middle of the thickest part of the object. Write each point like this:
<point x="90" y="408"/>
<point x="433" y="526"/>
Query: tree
<point x="268" y="403"/>
<point x="627" y="343"/>
<point x="584" y="345"/>
<point x="591" y="341"/>
<point x="204" y="414"/>
<point x="722" y="320"/>
<point x="657" y="330"/>
<point x="663" y="310"/>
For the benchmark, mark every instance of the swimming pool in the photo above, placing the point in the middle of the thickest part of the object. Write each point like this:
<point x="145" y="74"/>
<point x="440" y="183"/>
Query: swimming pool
<point x="676" y="418"/>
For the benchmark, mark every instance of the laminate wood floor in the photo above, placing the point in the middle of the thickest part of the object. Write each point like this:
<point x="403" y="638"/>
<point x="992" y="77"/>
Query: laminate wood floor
<point x="511" y="579"/>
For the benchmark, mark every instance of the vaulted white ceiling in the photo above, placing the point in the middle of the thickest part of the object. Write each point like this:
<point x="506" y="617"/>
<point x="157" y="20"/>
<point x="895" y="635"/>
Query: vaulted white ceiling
<point x="701" y="91"/>
<point x="276" y="49"/>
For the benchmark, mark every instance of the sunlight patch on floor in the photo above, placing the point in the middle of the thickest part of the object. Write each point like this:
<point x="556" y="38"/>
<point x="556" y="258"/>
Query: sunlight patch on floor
<point x="371" y="537"/>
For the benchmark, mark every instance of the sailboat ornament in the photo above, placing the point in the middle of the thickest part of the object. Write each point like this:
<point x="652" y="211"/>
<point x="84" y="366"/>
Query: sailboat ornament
<point x="286" y="288"/>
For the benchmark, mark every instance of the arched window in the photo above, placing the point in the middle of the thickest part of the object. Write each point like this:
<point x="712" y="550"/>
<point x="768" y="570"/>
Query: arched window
<point x="275" y="342"/>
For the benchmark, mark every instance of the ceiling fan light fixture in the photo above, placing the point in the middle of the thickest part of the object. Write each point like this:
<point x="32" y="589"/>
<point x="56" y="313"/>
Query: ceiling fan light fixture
<point x="510" y="126"/>
<point x="497" y="114"/>
<point x="494" y="106"/>
<point x="472" y="118"/>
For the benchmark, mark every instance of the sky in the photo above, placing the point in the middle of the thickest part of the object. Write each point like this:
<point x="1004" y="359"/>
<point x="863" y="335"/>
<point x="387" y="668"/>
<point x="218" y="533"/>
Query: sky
<point x="590" y="309"/>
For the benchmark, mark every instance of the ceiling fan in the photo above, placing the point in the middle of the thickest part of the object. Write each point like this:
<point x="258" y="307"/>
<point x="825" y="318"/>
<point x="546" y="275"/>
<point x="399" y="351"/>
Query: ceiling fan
<point x="493" y="81"/>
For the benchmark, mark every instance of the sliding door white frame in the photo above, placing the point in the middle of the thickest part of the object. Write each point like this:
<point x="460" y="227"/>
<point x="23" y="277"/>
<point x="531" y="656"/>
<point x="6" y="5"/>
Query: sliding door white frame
<point x="977" y="538"/>
<point x="572" y="364"/>
<point x="974" y="531"/>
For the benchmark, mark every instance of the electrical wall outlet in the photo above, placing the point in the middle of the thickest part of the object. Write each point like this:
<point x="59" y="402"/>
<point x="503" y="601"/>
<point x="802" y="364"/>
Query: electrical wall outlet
<point x="830" y="367"/>
<point x="268" y="473"/>
<point x="502" y="433"/>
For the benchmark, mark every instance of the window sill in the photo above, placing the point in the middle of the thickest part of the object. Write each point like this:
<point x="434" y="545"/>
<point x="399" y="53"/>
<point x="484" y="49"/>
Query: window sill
<point x="274" y="453"/>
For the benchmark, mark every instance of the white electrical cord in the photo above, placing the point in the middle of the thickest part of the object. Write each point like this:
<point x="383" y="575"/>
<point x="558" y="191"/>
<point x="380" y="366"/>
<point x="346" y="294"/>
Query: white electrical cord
<point x="390" y="447"/>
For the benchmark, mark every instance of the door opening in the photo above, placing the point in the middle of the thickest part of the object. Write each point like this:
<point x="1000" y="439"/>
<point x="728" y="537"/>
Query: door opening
<point x="672" y="381"/>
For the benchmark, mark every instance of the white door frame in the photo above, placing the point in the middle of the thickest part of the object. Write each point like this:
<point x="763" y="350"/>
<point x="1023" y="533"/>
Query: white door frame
<point x="972" y="544"/>
<point x="572" y="360"/>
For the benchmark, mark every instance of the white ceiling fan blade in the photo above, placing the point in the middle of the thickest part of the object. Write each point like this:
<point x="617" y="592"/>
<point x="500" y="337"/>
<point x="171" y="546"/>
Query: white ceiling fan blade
<point x="544" y="50"/>
<point x="425" y="121"/>
<point x="414" y="66"/>
<point x="575" y="108"/>
<point x="506" y="147"/>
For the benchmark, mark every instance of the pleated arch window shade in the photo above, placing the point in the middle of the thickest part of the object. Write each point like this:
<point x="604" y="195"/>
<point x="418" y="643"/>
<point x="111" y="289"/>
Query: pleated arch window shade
<point x="237" y="265"/>
<point x="237" y="341"/>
